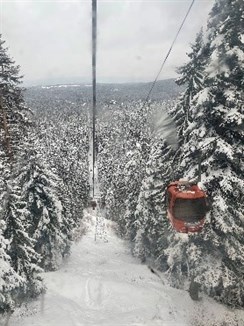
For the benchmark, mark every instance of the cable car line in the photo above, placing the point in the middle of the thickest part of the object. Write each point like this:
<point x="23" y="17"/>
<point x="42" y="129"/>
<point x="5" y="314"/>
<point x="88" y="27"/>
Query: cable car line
<point x="168" y="53"/>
<point x="94" y="90"/>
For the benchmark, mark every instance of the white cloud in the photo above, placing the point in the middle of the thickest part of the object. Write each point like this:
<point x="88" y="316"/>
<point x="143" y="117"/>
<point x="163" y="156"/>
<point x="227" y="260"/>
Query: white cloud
<point x="51" y="39"/>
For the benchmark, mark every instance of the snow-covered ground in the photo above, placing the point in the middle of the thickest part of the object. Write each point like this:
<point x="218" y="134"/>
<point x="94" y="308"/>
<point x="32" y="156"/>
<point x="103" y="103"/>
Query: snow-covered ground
<point x="102" y="284"/>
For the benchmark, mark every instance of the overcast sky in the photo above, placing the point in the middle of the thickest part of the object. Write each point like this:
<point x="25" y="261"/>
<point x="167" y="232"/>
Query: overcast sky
<point x="51" y="40"/>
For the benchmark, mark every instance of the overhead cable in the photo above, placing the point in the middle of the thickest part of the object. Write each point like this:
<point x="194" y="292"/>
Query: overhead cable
<point x="168" y="53"/>
<point x="94" y="95"/>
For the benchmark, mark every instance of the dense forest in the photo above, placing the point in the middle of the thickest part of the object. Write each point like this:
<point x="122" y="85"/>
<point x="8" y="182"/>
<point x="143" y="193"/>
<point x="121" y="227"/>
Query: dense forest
<point x="44" y="179"/>
<point x="44" y="185"/>
<point x="136" y="163"/>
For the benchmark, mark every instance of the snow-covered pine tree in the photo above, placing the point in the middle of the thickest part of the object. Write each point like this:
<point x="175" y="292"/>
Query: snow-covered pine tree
<point x="41" y="190"/>
<point x="12" y="119"/>
<point x="63" y="143"/>
<point x="112" y="149"/>
<point x="13" y="116"/>
<point x="214" y="258"/>
<point x="14" y="122"/>
<point x="151" y="222"/>
<point x="116" y="190"/>
<point x="134" y="173"/>
<point x="9" y="279"/>
<point x="192" y="77"/>
<point x="24" y="259"/>
<point x="123" y="151"/>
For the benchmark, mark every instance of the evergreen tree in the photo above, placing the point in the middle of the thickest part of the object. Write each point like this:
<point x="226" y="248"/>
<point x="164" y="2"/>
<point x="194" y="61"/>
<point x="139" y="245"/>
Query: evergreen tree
<point x="64" y="145"/>
<point x="9" y="279"/>
<point x="152" y="226"/>
<point x="213" y="258"/>
<point x="14" y="121"/>
<point x="123" y="150"/>
<point x="13" y="111"/>
<point x="192" y="77"/>
<point x="133" y="178"/>
<point x="48" y="225"/>
<point x="24" y="259"/>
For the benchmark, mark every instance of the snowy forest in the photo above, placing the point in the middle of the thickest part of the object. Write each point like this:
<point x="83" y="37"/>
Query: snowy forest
<point x="136" y="164"/>
<point x="44" y="179"/>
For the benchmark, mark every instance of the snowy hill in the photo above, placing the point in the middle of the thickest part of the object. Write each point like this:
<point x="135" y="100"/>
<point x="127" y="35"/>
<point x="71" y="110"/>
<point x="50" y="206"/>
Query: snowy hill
<point x="53" y="97"/>
<point x="102" y="284"/>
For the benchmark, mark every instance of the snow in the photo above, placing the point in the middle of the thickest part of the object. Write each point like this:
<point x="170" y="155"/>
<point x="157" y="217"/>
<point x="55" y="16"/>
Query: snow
<point x="60" y="86"/>
<point x="164" y="126"/>
<point x="102" y="284"/>
<point x="203" y="96"/>
<point x="236" y="51"/>
<point x="218" y="41"/>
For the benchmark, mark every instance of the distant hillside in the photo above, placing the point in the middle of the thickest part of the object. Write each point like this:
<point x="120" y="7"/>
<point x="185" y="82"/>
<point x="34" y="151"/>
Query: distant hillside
<point x="53" y="97"/>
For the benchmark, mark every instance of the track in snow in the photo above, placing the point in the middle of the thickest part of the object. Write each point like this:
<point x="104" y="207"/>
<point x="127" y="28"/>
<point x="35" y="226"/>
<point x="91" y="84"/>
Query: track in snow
<point x="102" y="284"/>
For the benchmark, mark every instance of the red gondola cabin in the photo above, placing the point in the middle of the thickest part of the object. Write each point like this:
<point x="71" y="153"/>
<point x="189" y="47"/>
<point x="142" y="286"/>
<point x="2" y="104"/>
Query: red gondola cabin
<point x="186" y="206"/>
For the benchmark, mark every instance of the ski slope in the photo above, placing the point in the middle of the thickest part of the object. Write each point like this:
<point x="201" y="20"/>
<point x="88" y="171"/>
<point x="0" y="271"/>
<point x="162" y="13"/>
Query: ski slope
<point x="102" y="284"/>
